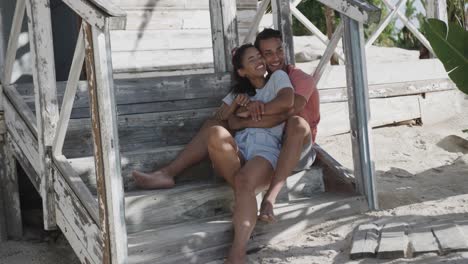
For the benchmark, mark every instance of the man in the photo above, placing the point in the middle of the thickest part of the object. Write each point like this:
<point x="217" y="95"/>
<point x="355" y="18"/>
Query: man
<point x="299" y="134"/>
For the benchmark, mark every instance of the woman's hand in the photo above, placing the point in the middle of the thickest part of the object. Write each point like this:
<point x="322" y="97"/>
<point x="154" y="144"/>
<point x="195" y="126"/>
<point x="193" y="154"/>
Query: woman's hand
<point x="242" y="99"/>
<point x="256" y="110"/>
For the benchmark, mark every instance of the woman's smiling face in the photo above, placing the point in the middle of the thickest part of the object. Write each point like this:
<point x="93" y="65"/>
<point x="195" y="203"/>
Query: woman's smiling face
<point x="253" y="64"/>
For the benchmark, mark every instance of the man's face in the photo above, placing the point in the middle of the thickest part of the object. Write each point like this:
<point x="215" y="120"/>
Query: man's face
<point x="273" y="53"/>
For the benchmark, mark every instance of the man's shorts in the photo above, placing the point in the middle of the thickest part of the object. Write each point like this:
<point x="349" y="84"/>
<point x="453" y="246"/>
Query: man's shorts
<point x="256" y="143"/>
<point x="307" y="158"/>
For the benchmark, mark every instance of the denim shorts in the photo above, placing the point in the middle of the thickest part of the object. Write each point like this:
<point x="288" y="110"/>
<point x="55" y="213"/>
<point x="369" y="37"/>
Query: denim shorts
<point x="255" y="143"/>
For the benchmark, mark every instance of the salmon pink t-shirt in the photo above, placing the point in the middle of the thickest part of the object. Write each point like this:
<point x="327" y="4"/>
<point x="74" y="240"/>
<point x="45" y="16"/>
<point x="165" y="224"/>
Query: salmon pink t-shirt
<point x="305" y="86"/>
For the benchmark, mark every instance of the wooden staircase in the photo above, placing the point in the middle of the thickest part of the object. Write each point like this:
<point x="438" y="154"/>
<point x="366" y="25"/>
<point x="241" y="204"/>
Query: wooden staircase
<point x="157" y="115"/>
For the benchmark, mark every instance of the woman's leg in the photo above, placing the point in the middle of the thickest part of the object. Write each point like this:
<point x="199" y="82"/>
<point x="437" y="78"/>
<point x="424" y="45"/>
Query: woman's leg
<point x="254" y="176"/>
<point x="223" y="153"/>
<point x="194" y="152"/>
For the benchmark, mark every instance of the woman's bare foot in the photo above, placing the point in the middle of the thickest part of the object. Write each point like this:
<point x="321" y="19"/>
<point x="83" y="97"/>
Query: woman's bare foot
<point x="156" y="180"/>
<point x="236" y="256"/>
<point x="266" y="212"/>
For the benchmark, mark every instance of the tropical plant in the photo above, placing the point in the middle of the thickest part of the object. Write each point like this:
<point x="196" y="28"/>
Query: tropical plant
<point x="450" y="46"/>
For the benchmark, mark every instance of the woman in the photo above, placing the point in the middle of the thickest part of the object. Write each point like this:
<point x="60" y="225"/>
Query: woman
<point x="248" y="160"/>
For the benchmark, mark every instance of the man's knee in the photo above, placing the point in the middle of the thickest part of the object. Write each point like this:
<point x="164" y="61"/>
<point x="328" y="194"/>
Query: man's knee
<point x="297" y="126"/>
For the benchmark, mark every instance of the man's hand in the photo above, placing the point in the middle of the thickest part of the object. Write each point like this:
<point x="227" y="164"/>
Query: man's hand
<point x="266" y="211"/>
<point x="235" y="123"/>
<point x="256" y="110"/>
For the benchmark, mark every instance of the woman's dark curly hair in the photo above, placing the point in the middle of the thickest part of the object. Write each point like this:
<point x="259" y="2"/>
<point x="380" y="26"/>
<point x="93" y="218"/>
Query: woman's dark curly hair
<point x="241" y="84"/>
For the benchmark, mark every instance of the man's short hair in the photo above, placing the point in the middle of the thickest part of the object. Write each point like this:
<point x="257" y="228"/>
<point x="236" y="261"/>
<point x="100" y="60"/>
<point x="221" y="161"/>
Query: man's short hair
<point x="267" y="33"/>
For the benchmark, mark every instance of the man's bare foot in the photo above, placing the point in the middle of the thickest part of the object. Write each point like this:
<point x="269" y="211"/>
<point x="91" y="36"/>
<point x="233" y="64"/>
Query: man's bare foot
<point x="266" y="212"/>
<point x="156" y="180"/>
<point x="236" y="257"/>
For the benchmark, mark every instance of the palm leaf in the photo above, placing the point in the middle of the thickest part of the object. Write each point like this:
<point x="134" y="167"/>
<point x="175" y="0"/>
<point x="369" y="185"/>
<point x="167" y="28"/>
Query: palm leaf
<point x="451" y="47"/>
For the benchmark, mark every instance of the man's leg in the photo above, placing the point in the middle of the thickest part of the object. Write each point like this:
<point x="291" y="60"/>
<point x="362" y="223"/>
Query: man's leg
<point x="194" y="152"/>
<point x="297" y="135"/>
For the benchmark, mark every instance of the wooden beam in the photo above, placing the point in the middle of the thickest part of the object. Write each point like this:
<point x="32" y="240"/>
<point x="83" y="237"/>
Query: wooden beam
<point x="106" y="144"/>
<point x="69" y="96"/>
<point x="329" y="51"/>
<point x="224" y="33"/>
<point x="219" y="58"/>
<point x="3" y="204"/>
<point x="75" y="182"/>
<point x="250" y="37"/>
<point x="359" y="109"/>
<point x="314" y="30"/>
<point x="13" y="41"/>
<point x="10" y="193"/>
<point x="283" y="22"/>
<point x="21" y="108"/>
<point x="358" y="10"/>
<point x="77" y="225"/>
<point x="96" y="15"/>
<point x="42" y="54"/>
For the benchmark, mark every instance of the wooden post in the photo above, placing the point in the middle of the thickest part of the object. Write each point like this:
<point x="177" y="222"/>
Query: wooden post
<point x="42" y="54"/>
<point x="359" y="112"/>
<point x="13" y="41"/>
<point x="3" y="219"/>
<point x="224" y="33"/>
<point x="437" y="9"/>
<point x="10" y="193"/>
<point x="250" y="37"/>
<point x="106" y="143"/>
<point x="283" y="22"/>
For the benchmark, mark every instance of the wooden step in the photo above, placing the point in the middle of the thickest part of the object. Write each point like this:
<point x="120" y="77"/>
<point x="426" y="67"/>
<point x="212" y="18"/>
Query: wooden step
<point x="144" y="160"/>
<point x="208" y="239"/>
<point x="147" y="210"/>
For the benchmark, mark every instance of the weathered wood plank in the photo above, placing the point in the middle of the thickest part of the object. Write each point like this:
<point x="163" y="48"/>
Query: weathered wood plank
<point x="16" y="24"/>
<point x="21" y="135"/>
<point x="106" y="143"/>
<point x="142" y="160"/>
<point x="393" y="241"/>
<point x="147" y="210"/>
<point x="76" y="184"/>
<point x="162" y="60"/>
<point x="42" y="54"/>
<point x="164" y="19"/>
<point x="365" y="241"/>
<point x="95" y="15"/>
<point x="176" y="4"/>
<point x="134" y="40"/>
<point x="76" y="224"/>
<point x="450" y="238"/>
<point x="157" y="89"/>
<point x="19" y="103"/>
<point x="388" y="73"/>
<point x="422" y="240"/>
<point x="220" y="61"/>
<point x="391" y="90"/>
<point x="3" y="202"/>
<point x="434" y="106"/>
<point x="10" y="193"/>
<point x="230" y="32"/>
<point x="143" y="131"/>
<point x="200" y="240"/>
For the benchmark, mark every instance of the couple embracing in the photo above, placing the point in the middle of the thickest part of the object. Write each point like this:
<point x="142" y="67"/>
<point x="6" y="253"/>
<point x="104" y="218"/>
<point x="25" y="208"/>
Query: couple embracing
<point x="265" y="129"/>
